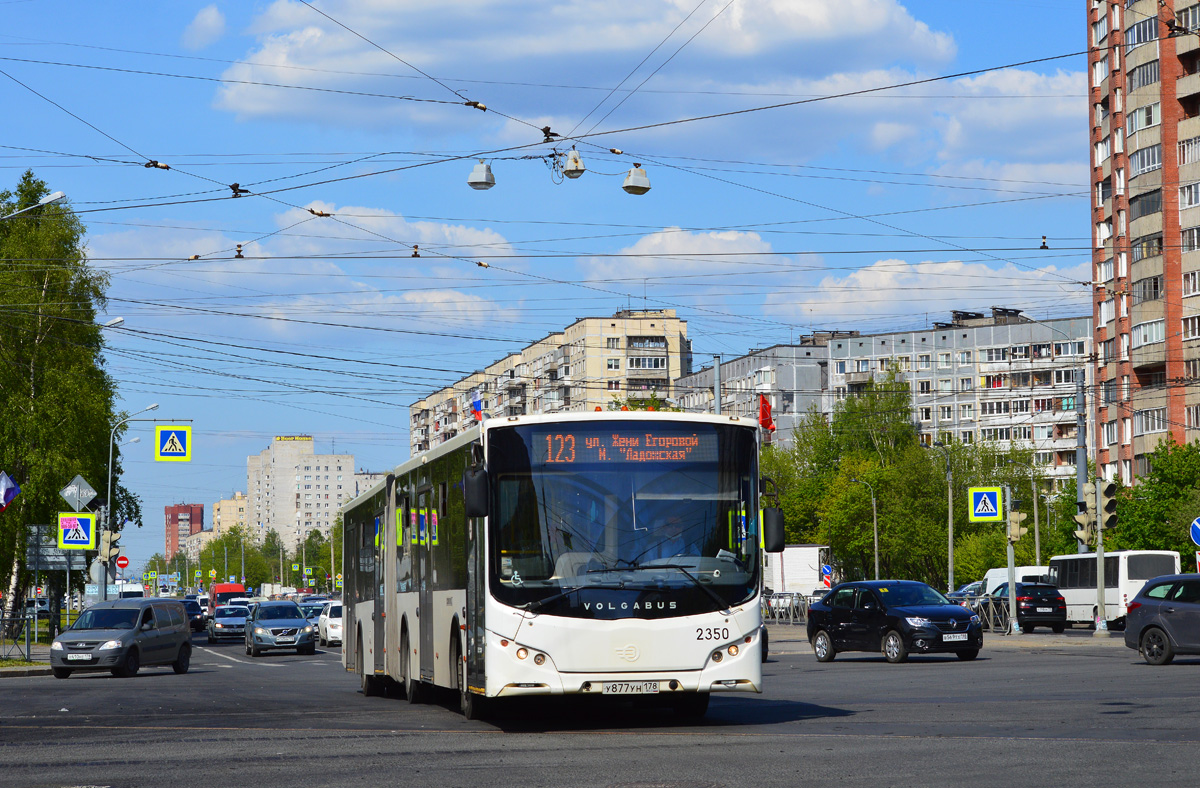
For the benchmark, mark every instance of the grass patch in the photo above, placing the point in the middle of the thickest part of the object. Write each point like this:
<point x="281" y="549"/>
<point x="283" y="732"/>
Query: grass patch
<point x="20" y="663"/>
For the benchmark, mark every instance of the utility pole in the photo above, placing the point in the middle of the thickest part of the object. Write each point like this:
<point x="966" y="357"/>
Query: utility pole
<point x="1014" y="628"/>
<point x="717" y="385"/>
<point x="1037" y="539"/>
<point x="1101" y="611"/>
<point x="1080" y="448"/>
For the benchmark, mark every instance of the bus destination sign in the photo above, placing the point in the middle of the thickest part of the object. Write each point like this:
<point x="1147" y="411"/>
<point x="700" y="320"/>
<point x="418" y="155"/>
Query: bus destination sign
<point x="565" y="447"/>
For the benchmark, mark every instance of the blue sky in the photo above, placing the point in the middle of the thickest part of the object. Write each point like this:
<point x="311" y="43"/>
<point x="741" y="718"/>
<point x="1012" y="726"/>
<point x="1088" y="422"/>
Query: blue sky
<point x="878" y="211"/>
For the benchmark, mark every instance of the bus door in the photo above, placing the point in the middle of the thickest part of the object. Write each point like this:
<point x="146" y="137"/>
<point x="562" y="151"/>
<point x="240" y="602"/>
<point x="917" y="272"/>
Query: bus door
<point x="426" y="533"/>
<point x="377" y="616"/>
<point x="476" y="603"/>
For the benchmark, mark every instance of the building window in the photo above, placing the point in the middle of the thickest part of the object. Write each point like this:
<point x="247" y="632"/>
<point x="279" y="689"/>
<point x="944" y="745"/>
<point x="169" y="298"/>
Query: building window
<point x="1148" y="333"/>
<point x="924" y="387"/>
<point x="926" y="414"/>
<point x="864" y="365"/>
<point x="1191" y="368"/>
<point x="945" y="384"/>
<point x="943" y="360"/>
<point x="993" y="408"/>
<point x="647" y="362"/>
<point x="996" y="433"/>
<point x="1191" y="417"/>
<point x="614" y="385"/>
<point x="996" y="354"/>
<point x="613" y="343"/>
<point x="1191" y="328"/>
<point x="1143" y="117"/>
<point x="1141" y="76"/>
<point x="967" y="436"/>
<point x="923" y="361"/>
<point x="1189" y="151"/>
<point x="614" y="363"/>
<point x="1144" y="160"/>
<point x="1148" y="289"/>
<point x="1146" y="246"/>
<point x="841" y="368"/>
<point x="1191" y="283"/>
<point x="966" y="411"/>
<point x="964" y="357"/>
<point x="1139" y="33"/>
<point x="1104" y="270"/>
<point x="1145" y="204"/>
<point x="946" y="413"/>
<point x="1068" y="348"/>
<point x="965" y="384"/>
<point x="1148" y="421"/>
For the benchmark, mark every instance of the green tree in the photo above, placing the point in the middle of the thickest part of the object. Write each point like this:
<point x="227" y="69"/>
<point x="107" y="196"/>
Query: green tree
<point x="653" y="402"/>
<point x="56" y="399"/>
<point x="1157" y="513"/>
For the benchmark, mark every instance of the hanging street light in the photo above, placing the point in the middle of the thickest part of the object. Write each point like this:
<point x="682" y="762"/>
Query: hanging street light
<point x="636" y="181"/>
<point x="481" y="176"/>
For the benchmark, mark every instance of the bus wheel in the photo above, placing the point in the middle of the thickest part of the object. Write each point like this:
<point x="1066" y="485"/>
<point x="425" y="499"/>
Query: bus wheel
<point x="412" y="684"/>
<point x="471" y="705"/>
<point x="371" y="686"/>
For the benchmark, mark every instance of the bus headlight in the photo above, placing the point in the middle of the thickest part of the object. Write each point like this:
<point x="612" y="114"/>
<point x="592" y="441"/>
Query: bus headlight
<point x="733" y="651"/>
<point x="522" y="653"/>
<point x="717" y="656"/>
<point x="539" y="659"/>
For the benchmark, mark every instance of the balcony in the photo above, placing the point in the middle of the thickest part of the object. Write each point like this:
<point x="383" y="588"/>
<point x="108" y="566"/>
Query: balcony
<point x="858" y="378"/>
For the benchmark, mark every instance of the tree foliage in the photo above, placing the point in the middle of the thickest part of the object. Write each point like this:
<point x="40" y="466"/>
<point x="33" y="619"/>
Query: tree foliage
<point x="1158" y="512"/>
<point x="831" y="468"/>
<point x="56" y="399"/>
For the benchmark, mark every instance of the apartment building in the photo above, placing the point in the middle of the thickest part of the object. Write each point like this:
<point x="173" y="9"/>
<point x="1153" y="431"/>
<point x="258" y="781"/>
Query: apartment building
<point x="181" y="521"/>
<point x="1144" y="93"/>
<point x="634" y="353"/>
<point x="793" y="378"/>
<point x="291" y="489"/>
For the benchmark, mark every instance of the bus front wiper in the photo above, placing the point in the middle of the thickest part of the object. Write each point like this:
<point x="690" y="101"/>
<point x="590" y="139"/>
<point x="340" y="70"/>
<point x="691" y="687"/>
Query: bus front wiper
<point x="721" y="605"/>
<point x="533" y="607"/>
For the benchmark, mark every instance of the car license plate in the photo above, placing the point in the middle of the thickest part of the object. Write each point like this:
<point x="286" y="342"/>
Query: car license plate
<point x="956" y="636"/>
<point x="1045" y="610"/>
<point x="79" y="657"/>
<point x="285" y="640"/>
<point x="630" y="687"/>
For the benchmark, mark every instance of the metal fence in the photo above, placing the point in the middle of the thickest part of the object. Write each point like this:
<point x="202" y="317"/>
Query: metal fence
<point x="16" y="634"/>
<point x="786" y="608"/>
<point x="992" y="611"/>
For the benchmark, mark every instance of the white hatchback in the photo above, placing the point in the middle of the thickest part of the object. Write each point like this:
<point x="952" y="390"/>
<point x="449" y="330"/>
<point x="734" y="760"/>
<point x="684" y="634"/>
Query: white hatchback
<point x="329" y="624"/>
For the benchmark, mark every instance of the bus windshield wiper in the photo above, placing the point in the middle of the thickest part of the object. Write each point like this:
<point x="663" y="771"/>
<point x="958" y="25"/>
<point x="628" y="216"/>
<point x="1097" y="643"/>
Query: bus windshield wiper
<point x="721" y="604"/>
<point x="533" y="607"/>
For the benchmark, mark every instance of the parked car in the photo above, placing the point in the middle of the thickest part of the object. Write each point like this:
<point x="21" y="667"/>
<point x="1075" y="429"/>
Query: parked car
<point x="966" y="592"/>
<point x="121" y="635"/>
<point x="1038" y="605"/>
<point x="897" y="617"/>
<point x="275" y="625"/>
<point x="329" y="624"/>
<point x="196" y="617"/>
<point x="39" y="607"/>
<point x="1164" y="618"/>
<point x="228" y="621"/>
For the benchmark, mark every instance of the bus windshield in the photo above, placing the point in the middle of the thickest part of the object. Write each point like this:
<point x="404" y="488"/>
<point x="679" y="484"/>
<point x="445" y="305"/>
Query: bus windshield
<point x="617" y="519"/>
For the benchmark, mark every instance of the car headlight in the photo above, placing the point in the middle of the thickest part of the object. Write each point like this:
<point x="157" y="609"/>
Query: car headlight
<point x="308" y="628"/>
<point x="110" y="645"/>
<point x="56" y="646"/>
<point x="219" y="626"/>
<point x="917" y="621"/>
<point x="260" y="631"/>
<point x="975" y="619"/>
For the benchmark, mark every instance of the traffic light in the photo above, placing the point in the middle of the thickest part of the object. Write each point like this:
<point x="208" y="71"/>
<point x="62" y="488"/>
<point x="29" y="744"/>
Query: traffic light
<point x="1086" y="519"/>
<point x="1015" y="529"/>
<point x="109" y="549"/>
<point x="1107" y="510"/>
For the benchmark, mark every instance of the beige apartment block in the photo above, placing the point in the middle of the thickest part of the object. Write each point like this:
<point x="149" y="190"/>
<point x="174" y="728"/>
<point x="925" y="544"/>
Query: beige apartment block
<point x="588" y="365"/>
<point x="229" y="512"/>
<point x="290" y="489"/>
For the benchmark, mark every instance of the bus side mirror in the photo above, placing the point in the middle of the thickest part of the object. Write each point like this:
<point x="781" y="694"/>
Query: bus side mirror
<point x="773" y="533"/>
<point x="475" y="491"/>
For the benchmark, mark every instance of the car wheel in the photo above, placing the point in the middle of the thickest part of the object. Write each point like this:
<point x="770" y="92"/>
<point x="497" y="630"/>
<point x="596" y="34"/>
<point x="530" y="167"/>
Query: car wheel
<point x="321" y="639"/>
<point x="412" y="683"/>
<point x="61" y="673"/>
<point x="967" y="654"/>
<point x="1058" y="628"/>
<point x="308" y="650"/>
<point x="247" y="648"/>
<point x="894" y="648"/>
<point x="255" y="651"/>
<point x="1156" y="647"/>
<point x="184" y="660"/>
<point x="129" y="667"/>
<point x="1027" y="629"/>
<point x="823" y="647"/>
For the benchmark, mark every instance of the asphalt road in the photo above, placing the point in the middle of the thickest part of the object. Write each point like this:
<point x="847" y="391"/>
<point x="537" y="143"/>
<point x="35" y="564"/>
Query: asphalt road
<point x="1035" y="710"/>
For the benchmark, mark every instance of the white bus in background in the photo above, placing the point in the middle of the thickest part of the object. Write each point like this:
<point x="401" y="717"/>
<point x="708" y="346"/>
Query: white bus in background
<point x="575" y="553"/>
<point x="1125" y="572"/>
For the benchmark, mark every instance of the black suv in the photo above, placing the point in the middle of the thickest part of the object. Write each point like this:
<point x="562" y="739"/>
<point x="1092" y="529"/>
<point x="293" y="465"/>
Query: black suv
<point x="896" y="617"/>
<point x="1038" y="605"/>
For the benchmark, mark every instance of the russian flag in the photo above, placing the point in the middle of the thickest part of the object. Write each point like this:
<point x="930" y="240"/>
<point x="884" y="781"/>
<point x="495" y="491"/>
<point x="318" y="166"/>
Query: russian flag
<point x="8" y="490"/>
<point x="477" y="407"/>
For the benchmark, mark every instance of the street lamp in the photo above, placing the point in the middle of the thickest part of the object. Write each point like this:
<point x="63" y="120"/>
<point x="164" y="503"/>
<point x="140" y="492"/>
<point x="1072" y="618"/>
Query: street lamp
<point x="940" y="446"/>
<point x="1037" y="540"/>
<point x="108" y="499"/>
<point x="874" y="522"/>
<point x="49" y="198"/>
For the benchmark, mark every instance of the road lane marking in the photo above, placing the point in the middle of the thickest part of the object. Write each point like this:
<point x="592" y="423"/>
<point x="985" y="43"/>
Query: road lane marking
<point x="242" y="661"/>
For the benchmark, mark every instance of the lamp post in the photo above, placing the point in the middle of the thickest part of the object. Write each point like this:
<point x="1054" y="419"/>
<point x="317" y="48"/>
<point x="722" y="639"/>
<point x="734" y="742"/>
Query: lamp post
<point x="874" y="522"/>
<point x="49" y="198"/>
<point x="108" y="498"/>
<point x="940" y="446"/>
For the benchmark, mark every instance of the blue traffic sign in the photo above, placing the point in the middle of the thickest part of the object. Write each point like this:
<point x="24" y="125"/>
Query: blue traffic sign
<point x="173" y="443"/>
<point x="826" y="569"/>
<point x="1195" y="531"/>
<point x="985" y="505"/>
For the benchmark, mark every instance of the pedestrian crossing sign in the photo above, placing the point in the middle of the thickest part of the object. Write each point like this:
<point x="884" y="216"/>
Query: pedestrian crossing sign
<point x="985" y="505"/>
<point x="77" y="531"/>
<point x="172" y="443"/>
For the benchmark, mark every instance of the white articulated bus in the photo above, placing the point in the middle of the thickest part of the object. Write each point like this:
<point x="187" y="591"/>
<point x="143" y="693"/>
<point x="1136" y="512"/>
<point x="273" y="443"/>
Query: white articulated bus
<point x="1125" y="572"/>
<point x="592" y="554"/>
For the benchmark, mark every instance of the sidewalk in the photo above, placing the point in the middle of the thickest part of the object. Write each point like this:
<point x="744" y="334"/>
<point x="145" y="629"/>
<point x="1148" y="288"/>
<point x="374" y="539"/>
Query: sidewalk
<point x="38" y="653"/>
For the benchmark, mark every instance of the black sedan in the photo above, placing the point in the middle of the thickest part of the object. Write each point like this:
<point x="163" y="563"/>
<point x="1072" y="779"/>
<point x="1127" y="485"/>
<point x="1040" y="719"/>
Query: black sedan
<point x="196" y="617"/>
<point x="897" y="617"/>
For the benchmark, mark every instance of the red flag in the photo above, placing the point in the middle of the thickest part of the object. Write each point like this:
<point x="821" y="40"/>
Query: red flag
<point x="764" y="413"/>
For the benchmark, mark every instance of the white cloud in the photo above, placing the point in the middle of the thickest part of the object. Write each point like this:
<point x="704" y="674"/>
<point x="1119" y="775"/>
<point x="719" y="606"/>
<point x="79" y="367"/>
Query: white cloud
<point x="893" y="288"/>
<point x="206" y="28"/>
<point x="674" y="251"/>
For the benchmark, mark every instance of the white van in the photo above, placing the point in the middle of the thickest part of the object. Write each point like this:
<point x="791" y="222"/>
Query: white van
<point x="130" y="591"/>
<point x="993" y="578"/>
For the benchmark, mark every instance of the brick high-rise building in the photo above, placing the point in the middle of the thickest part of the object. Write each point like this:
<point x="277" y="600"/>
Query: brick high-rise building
<point x="1145" y="147"/>
<point x="182" y="520"/>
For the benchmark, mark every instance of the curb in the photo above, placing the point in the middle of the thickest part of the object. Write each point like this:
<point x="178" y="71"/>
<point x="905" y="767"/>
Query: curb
<point x="17" y="673"/>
